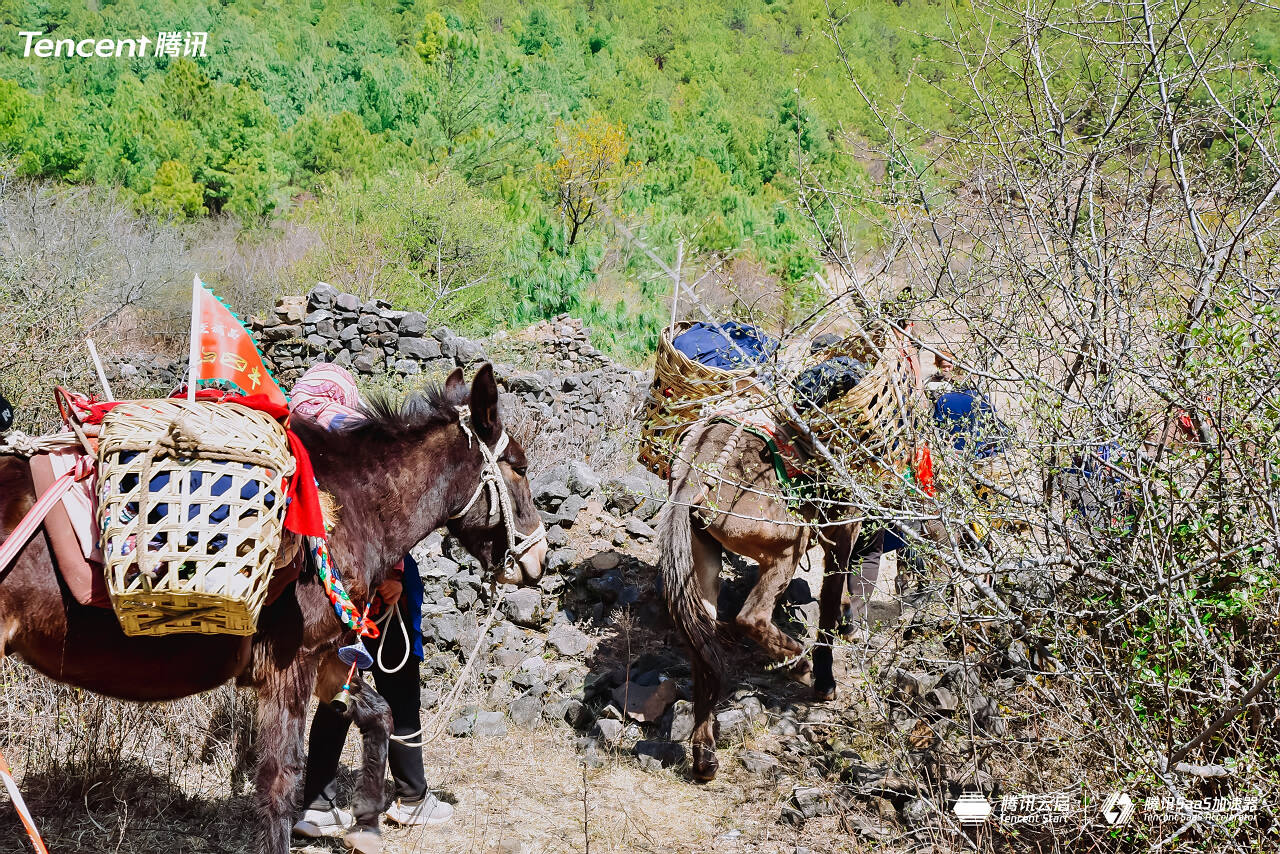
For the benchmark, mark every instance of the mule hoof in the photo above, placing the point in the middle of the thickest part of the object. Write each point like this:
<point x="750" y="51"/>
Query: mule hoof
<point x="824" y="693"/>
<point x="705" y="764"/>
<point x="363" y="841"/>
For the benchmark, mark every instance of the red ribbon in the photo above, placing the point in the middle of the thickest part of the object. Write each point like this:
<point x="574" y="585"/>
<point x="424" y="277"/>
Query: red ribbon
<point x="303" y="515"/>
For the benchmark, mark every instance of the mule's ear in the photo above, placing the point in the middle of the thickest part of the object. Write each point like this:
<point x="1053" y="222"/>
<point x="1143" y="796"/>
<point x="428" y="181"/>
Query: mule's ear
<point x="452" y="383"/>
<point x="484" y="405"/>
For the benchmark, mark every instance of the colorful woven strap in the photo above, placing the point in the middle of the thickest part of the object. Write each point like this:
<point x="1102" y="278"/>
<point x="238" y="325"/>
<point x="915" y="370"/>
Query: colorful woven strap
<point x="338" y="595"/>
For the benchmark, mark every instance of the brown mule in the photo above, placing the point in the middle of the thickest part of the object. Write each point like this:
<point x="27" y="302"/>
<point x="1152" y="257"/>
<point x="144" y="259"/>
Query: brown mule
<point x="397" y="476"/>
<point x="725" y="494"/>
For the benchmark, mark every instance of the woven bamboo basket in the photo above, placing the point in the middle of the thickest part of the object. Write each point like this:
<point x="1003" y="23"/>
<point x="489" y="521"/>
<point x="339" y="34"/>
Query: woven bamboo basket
<point x="191" y="508"/>
<point x="871" y="421"/>
<point x="681" y="388"/>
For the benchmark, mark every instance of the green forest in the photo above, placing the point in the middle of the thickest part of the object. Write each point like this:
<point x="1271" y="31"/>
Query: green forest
<point x="484" y="151"/>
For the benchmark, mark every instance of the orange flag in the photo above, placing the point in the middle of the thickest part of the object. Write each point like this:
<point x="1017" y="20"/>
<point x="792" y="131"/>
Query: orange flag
<point x="226" y="352"/>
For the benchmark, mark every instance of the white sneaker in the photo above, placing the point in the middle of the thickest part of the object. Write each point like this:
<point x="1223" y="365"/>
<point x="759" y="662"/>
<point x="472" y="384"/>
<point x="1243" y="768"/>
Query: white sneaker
<point x="327" y="822"/>
<point x="429" y="810"/>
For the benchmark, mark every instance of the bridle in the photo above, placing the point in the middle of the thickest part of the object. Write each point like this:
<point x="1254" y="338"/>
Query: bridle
<point x="492" y="481"/>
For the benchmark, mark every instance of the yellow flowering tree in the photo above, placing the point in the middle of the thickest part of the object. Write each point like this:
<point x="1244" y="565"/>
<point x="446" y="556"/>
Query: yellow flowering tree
<point x="590" y="170"/>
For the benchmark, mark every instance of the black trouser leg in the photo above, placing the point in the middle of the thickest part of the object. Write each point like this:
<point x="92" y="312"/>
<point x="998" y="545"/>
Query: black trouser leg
<point x="403" y="692"/>
<point x="324" y="749"/>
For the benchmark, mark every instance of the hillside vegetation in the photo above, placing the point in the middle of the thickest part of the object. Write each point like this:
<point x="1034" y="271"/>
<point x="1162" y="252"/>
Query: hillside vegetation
<point x="451" y="140"/>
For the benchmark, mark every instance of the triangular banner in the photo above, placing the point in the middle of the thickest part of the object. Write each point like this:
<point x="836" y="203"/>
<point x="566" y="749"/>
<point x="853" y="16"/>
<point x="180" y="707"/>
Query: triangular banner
<point x="226" y="354"/>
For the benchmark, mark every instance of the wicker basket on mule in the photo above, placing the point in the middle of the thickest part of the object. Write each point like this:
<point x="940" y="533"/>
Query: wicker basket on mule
<point x="871" y="422"/>
<point x="191" y="509"/>
<point x="681" y="388"/>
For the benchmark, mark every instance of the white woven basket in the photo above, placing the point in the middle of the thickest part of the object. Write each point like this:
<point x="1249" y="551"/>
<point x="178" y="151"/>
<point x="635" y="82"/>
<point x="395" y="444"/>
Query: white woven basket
<point x="191" y="509"/>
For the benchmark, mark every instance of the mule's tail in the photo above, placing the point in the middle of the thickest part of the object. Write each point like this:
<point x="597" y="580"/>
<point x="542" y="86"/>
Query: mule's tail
<point x="680" y="585"/>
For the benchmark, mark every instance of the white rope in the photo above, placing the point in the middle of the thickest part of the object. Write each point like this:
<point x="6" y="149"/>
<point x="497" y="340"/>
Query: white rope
<point x="499" y="493"/>
<point x="404" y="633"/>
<point x="434" y="727"/>
<point x="15" y="443"/>
<point x="500" y="512"/>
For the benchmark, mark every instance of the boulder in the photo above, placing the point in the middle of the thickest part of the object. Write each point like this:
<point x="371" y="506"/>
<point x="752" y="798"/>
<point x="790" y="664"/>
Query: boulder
<point x="414" y="325"/>
<point x="422" y="349"/>
<point x="757" y="762"/>
<point x="732" y="725"/>
<point x="567" y="640"/>
<point x="467" y="352"/>
<point x="639" y="529"/>
<point x="407" y="367"/>
<point x="368" y="361"/>
<point x="523" y="606"/>
<point x="682" y="721"/>
<point x="609" y="730"/>
<point x="645" y="703"/>
<point x="550" y="489"/>
<point x="582" y="480"/>
<point x="526" y="712"/>
<point x="665" y="753"/>
<point x="490" y="724"/>
<point x="322" y="295"/>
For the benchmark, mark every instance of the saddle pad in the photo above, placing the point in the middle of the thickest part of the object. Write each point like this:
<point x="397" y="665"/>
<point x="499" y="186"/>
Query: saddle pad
<point x="72" y="529"/>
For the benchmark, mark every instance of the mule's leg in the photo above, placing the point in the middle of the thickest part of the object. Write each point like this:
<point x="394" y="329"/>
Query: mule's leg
<point x="756" y="616"/>
<point x="707" y="561"/>
<point x="282" y="710"/>
<point x="372" y="715"/>
<point x="707" y="554"/>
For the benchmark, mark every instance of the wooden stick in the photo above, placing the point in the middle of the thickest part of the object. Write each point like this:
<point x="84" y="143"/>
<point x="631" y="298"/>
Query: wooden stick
<point x="675" y="278"/>
<point x="97" y="364"/>
<point x="193" y="359"/>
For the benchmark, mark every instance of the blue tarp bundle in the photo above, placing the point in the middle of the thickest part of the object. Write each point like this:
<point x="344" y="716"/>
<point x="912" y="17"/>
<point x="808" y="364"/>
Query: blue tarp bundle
<point x="970" y="418"/>
<point x="729" y="345"/>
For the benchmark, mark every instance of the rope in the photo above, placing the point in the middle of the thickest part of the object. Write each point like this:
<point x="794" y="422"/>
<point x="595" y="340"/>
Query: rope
<point x="6" y="776"/>
<point x="31" y="522"/>
<point x="15" y="443"/>
<point x="492" y="480"/>
<point x="404" y="634"/>
<point x="435" y="727"/>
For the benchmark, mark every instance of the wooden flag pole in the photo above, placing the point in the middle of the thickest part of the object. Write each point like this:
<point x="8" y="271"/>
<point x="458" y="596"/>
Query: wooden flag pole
<point x="193" y="360"/>
<point x="97" y="364"/>
<point x="675" y="279"/>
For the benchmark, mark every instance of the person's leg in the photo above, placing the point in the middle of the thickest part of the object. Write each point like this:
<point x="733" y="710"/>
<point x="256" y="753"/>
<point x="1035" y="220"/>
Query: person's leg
<point x="866" y="554"/>
<point x="403" y="692"/>
<point x="864" y="584"/>
<point x="321" y="815"/>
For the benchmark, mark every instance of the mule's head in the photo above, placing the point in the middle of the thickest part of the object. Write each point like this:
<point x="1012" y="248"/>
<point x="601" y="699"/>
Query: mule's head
<point x="497" y="521"/>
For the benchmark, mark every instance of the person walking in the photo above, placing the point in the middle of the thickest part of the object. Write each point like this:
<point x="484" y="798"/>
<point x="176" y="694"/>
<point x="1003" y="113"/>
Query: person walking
<point x="328" y="394"/>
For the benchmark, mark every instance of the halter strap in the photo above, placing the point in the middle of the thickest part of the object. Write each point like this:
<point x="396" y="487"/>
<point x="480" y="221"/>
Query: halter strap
<point x="492" y="481"/>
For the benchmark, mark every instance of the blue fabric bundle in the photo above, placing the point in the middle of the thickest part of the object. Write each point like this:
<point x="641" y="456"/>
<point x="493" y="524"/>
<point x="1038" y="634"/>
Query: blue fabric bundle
<point x="220" y="514"/>
<point x="729" y="345"/>
<point x="970" y="419"/>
